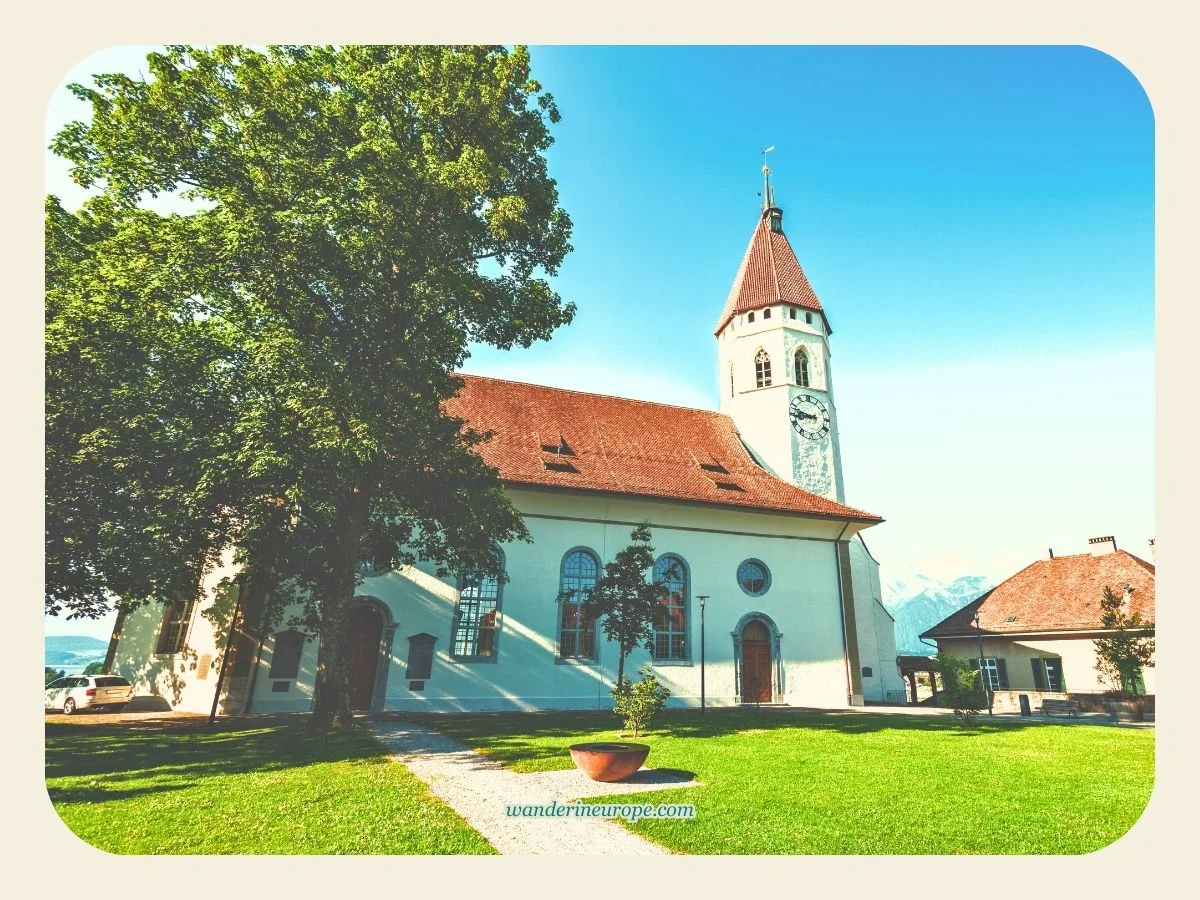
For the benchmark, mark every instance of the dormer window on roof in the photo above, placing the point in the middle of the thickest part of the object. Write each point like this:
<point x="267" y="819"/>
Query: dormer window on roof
<point x="562" y="448"/>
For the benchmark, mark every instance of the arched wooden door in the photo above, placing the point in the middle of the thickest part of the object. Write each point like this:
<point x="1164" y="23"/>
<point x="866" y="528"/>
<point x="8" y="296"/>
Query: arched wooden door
<point x="756" y="663"/>
<point x="365" y="627"/>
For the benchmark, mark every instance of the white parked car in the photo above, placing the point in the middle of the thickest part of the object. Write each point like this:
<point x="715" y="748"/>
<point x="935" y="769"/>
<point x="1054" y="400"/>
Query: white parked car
<point x="88" y="692"/>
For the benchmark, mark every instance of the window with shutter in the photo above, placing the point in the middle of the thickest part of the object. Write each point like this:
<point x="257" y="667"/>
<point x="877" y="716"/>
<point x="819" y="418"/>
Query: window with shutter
<point x="1039" y="674"/>
<point x="1054" y="679"/>
<point x="172" y="634"/>
<point x="285" y="659"/>
<point x="989" y="673"/>
<point x="1002" y="668"/>
<point x="420" y="657"/>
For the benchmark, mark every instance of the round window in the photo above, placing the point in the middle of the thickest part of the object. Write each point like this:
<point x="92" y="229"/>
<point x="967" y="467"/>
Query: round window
<point x="754" y="577"/>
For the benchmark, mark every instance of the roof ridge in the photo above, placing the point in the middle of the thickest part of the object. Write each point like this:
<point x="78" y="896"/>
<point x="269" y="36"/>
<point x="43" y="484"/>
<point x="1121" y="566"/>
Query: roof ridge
<point x="1149" y="566"/>
<point x="550" y="387"/>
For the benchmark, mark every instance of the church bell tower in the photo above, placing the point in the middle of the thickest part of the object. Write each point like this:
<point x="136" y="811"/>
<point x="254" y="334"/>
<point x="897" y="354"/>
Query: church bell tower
<point x="774" y="362"/>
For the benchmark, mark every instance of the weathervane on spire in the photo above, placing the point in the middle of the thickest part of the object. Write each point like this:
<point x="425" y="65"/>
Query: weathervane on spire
<point x="769" y="209"/>
<point x="768" y="197"/>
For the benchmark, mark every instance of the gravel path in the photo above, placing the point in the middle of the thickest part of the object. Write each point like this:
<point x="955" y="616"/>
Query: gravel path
<point x="479" y="790"/>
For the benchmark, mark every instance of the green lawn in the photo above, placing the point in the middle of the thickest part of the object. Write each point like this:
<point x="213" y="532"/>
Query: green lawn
<point x="157" y="788"/>
<point x="779" y="782"/>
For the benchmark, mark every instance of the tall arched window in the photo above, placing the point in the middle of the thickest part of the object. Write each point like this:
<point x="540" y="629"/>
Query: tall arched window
<point x="577" y="630"/>
<point x="476" y="617"/>
<point x="762" y="369"/>
<point x="670" y="620"/>
<point x="731" y="379"/>
<point x="802" y="367"/>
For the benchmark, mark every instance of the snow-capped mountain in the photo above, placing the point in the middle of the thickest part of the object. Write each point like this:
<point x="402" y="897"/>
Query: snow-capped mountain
<point x="918" y="602"/>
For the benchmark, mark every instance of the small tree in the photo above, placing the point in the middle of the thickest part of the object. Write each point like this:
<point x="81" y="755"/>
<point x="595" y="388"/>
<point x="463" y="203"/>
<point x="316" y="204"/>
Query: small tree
<point x="640" y="701"/>
<point x="54" y="674"/>
<point x="627" y="597"/>
<point x="1121" y="657"/>
<point x="962" y="687"/>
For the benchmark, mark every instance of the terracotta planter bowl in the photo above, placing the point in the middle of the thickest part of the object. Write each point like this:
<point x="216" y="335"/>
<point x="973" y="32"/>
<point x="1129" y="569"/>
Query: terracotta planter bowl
<point x="609" y="761"/>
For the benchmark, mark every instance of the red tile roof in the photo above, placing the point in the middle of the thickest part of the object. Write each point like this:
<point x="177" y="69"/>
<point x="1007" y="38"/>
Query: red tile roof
<point x="620" y="446"/>
<point x="769" y="274"/>
<point x="1059" y="594"/>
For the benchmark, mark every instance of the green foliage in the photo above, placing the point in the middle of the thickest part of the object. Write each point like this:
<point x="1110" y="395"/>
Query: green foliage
<point x="267" y="368"/>
<point x="640" y="701"/>
<point x="627" y="597"/>
<point x="95" y="668"/>
<point x="963" y="687"/>
<point x="54" y="674"/>
<point x="1121" y="657"/>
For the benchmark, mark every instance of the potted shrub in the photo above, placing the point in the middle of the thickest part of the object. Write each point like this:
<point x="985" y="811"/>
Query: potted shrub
<point x="636" y="703"/>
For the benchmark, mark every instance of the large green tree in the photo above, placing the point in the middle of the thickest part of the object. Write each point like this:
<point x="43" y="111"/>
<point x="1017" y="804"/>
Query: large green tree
<point x="353" y="218"/>
<point x="138" y="394"/>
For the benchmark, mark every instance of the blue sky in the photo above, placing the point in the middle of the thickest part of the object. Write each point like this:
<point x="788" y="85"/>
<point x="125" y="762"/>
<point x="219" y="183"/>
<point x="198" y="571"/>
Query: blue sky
<point x="977" y="221"/>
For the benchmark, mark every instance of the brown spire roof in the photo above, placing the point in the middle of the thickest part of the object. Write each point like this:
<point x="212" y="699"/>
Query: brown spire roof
<point x="769" y="274"/>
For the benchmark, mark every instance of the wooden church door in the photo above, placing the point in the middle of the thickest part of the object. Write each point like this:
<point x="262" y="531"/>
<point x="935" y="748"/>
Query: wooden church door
<point x="366" y="633"/>
<point x="756" y="663"/>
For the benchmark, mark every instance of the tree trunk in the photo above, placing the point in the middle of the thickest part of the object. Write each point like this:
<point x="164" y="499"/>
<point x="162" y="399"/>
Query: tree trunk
<point x="620" y="668"/>
<point x="331" y="691"/>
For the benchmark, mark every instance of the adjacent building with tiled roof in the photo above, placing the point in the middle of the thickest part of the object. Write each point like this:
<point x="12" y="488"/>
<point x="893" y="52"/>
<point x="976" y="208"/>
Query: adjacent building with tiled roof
<point x="748" y="518"/>
<point x="1037" y="628"/>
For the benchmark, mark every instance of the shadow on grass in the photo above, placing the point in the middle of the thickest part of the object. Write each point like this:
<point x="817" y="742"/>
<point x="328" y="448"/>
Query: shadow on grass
<point x="530" y="736"/>
<point x="168" y="755"/>
<point x="102" y="795"/>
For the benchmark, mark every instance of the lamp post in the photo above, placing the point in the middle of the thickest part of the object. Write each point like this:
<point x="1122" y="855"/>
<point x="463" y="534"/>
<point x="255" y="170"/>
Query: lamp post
<point x="702" y="598"/>
<point x="987" y="688"/>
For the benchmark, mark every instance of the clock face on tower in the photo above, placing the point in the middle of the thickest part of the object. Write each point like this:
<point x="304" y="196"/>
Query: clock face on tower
<point x="809" y="416"/>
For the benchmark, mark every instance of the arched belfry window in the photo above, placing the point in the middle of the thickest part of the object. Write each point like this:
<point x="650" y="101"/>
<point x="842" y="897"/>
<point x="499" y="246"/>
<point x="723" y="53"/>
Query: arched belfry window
<point x="670" y="619"/>
<point x="802" y="367"/>
<point x="731" y="379"/>
<point x="762" y="369"/>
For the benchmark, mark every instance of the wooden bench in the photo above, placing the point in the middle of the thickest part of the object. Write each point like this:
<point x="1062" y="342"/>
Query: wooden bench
<point x="1052" y="707"/>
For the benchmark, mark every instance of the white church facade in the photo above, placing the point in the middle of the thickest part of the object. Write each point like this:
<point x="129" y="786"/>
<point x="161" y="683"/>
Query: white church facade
<point x="774" y="597"/>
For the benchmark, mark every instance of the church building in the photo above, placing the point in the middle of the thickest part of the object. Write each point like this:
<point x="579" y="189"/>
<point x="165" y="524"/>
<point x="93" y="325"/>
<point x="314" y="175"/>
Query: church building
<point x="774" y="597"/>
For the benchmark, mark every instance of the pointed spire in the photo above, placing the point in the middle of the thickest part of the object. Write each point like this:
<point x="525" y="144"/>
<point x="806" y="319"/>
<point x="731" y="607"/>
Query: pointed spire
<point x="770" y="273"/>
